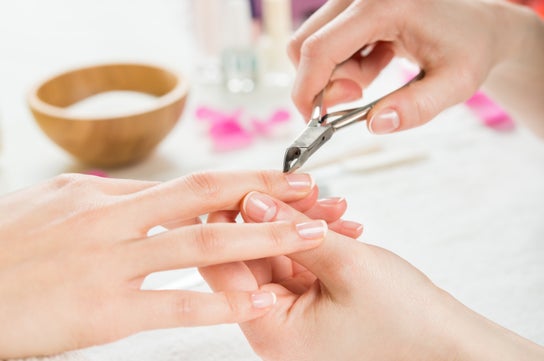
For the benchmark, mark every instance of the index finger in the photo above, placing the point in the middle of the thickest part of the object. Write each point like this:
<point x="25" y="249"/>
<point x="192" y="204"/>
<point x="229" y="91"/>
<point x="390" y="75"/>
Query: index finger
<point x="202" y="193"/>
<point x="331" y="45"/>
<point x="330" y="261"/>
<point x="323" y="15"/>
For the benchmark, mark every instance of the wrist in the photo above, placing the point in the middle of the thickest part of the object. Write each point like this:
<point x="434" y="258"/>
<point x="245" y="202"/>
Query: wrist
<point x="517" y="33"/>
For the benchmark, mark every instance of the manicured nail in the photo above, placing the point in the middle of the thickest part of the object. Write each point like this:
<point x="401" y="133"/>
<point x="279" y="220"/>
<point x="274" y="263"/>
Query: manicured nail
<point x="312" y="229"/>
<point x="385" y="121"/>
<point x="330" y="201"/>
<point x="300" y="181"/>
<point x="260" y="207"/>
<point x="263" y="299"/>
<point x="352" y="226"/>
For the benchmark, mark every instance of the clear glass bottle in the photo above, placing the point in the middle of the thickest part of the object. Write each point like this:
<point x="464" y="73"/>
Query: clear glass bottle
<point x="238" y="58"/>
<point x="275" y="67"/>
<point x="206" y="20"/>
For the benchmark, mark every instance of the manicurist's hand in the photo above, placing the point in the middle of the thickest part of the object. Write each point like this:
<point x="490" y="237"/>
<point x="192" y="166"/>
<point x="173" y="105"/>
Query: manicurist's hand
<point x="75" y="251"/>
<point x="350" y="301"/>
<point x="460" y="44"/>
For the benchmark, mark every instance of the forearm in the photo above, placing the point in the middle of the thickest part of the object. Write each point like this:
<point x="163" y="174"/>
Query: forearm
<point x="517" y="82"/>
<point x="472" y="337"/>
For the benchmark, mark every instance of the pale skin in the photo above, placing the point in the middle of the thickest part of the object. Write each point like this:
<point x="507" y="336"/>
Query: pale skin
<point x="346" y="300"/>
<point x="350" y="301"/>
<point x="462" y="45"/>
<point x="72" y="279"/>
<point x="75" y="251"/>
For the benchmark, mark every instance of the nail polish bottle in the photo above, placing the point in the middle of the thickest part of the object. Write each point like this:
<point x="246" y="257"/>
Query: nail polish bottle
<point x="238" y="59"/>
<point x="207" y="14"/>
<point x="275" y="67"/>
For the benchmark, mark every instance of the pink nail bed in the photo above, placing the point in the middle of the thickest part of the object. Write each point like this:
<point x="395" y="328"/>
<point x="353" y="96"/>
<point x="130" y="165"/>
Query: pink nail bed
<point x="331" y="201"/>
<point x="312" y="229"/>
<point x="263" y="299"/>
<point x="260" y="207"/>
<point x="300" y="181"/>
<point x="354" y="226"/>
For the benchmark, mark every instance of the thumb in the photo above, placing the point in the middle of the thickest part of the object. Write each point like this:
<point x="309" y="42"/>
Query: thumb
<point x="420" y="101"/>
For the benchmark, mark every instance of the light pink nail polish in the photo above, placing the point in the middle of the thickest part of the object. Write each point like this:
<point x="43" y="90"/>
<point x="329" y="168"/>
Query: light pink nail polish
<point x="312" y="229"/>
<point x="260" y="207"/>
<point x="263" y="299"/>
<point x="331" y="201"/>
<point x="300" y="181"/>
<point x="352" y="226"/>
<point x="385" y="121"/>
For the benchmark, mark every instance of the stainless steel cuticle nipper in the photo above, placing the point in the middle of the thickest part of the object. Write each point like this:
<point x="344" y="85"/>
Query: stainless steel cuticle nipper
<point x="321" y="127"/>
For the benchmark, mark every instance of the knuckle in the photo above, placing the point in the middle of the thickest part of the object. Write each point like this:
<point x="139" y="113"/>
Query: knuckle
<point x="233" y="305"/>
<point x="466" y="80"/>
<point x="426" y="107"/>
<point x="314" y="51"/>
<point x="183" y="308"/>
<point x="418" y="107"/>
<point x="77" y="184"/>
<point x="207" y="241"/>
<point x="313" y="46"/>
<point x="278" y="235"/>
<point x="69" y="180"/>
<point x="293" y="48"/>
<point x="266" y="179"/>
<point x="204" y="184"/>
<point x="83" y="195"/>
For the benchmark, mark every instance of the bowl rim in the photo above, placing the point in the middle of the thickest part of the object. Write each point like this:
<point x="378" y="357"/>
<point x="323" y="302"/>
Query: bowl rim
<point x="178" y="92"/>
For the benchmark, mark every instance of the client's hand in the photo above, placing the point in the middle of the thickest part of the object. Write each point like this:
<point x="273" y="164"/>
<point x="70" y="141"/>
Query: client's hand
<point x="346" y="300"/>
<point x="75" y="251"/>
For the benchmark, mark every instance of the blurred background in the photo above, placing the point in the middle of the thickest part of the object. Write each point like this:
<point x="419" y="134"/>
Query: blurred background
<point x="229" y="58"/>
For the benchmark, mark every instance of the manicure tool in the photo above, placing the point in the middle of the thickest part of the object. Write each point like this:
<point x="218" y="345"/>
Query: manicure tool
<point x="321" y="127"/>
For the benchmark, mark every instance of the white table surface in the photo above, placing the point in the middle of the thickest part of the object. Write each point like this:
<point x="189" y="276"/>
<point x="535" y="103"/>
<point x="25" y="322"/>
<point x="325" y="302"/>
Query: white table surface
<point x="468" y="210"/>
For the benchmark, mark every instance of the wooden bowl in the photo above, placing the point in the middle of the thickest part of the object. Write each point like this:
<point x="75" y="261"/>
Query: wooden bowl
<point x="109" y="141"/>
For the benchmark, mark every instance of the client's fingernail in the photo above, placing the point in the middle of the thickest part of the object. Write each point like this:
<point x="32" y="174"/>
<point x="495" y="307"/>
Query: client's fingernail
<point x="263" y="299"/>
<point x="260" y="207"/>
<point x="300" y="181"/>
<point x="312" y="229"/>
<point x="352" y="226"/>
<point x="383" y="122"/>
<point x="331" y="201"/>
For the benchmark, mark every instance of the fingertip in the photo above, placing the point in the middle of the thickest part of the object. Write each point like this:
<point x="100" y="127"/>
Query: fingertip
<point x="259" y="207"/>
<point x="338" y="203"/>
<point x="300" y="182"/>
<point x="332" y="201"/>
<point x="307" y="202"/>
<point x="354" y="229"/>
<point x="419" y="101"/>
<point x="347" y="228"/>
<point x="315" y="230"/>
<point x="263" y="299"/>
<point x="384" y="121"/>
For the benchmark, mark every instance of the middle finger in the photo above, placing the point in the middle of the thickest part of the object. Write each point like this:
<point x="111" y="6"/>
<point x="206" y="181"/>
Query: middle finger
<point x="207" y="244"/>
